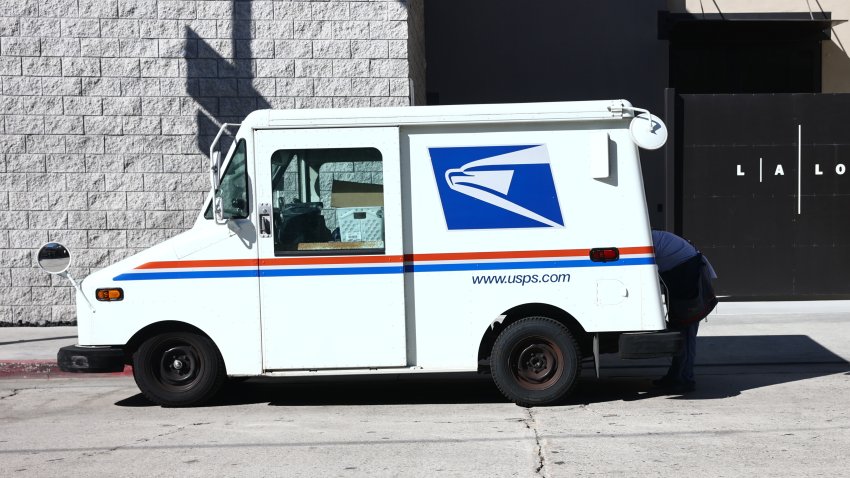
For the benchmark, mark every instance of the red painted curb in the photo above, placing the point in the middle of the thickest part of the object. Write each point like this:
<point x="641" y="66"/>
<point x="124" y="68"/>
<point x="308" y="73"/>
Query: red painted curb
<point x="48" y="369"/>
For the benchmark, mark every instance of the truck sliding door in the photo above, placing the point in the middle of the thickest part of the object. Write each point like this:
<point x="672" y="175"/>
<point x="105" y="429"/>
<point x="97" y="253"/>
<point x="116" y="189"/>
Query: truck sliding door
<point x="330" y="244"/>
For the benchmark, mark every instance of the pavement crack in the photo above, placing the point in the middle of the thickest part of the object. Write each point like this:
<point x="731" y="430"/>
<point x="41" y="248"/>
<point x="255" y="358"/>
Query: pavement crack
<point x="531" y="423"/>
<point x="14" y="392"/>
<point x="170" y="432"/>
<point x="135" y="442"/>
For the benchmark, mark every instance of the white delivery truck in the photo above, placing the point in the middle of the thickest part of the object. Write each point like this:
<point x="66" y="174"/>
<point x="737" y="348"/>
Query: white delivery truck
<point x="507" y="239"/>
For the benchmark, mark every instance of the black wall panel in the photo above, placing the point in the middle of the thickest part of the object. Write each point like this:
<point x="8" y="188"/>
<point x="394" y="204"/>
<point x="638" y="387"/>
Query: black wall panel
<point x="504" y="51"/>
<point x="743" y="212"/>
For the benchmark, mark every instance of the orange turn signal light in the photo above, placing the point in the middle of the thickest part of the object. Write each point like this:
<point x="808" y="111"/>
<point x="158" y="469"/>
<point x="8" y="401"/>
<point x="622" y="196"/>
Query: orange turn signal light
<point x="109" y="295"/>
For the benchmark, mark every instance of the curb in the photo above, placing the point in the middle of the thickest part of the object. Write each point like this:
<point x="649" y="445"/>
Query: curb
<point x="49" y="369"/>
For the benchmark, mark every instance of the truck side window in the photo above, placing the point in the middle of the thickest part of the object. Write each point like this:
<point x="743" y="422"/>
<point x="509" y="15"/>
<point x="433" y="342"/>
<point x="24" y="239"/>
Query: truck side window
<point x="327" y="200"/>
<point x="233" y="189"/>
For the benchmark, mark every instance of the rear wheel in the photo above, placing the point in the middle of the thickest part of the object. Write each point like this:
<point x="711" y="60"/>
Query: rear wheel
<point x="535" y="361"/>
<point x="178" y="369"/>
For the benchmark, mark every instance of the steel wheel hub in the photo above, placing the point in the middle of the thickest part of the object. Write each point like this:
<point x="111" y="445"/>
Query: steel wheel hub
<point x="537" y="363"/>
<point x="179" y="365"/>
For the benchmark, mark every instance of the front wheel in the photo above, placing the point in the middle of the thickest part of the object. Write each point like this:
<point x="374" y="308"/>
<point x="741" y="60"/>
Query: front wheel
<point x="178" y="369"/>
<point x="535" y="361"/>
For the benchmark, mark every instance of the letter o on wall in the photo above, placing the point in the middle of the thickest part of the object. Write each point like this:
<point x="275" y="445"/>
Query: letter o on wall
<point x="840" y="169"/>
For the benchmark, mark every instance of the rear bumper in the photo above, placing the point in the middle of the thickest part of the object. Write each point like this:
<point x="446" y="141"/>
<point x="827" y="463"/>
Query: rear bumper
<point x="91" y="359"/>
<point x="641" y="345"/>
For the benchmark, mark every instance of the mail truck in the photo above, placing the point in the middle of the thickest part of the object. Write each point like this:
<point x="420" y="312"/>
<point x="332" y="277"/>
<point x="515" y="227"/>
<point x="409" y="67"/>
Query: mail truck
<point x="512" y="240"/>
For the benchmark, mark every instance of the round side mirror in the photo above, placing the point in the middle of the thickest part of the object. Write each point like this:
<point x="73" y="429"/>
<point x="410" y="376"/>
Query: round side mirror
<point x="648" y="131"/>
<point x="54" y="258"/>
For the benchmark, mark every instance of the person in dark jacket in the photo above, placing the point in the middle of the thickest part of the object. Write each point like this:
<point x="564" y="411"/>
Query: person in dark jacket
<point x="681" y="265"/>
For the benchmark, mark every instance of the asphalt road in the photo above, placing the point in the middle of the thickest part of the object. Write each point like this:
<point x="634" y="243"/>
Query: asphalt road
<point x="774" y="389"/>
<point x="764" y="420"/>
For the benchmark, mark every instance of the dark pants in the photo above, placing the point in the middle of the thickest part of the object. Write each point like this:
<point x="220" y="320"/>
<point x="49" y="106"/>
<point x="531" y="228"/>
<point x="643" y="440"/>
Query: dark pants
<point x="682" y="368"/>
<point x="683" y="283"/>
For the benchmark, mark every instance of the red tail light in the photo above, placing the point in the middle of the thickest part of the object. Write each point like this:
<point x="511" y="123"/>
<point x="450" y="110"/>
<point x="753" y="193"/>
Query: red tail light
<point x="604" y="254"/>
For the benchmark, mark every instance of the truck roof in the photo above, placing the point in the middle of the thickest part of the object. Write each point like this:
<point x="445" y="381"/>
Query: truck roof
<point x="452" y="114"/>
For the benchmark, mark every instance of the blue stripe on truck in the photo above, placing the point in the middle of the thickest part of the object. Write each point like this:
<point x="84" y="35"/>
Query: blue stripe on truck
<point x="301" y="272"/>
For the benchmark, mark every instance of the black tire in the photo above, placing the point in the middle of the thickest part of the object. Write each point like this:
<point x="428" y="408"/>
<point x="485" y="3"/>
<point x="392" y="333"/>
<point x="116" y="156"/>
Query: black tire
<point x="178" y="369"/>
<point x="535" y="361"/>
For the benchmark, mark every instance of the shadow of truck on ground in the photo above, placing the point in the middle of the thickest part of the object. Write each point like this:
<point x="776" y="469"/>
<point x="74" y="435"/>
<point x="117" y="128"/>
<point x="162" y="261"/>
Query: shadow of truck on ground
<point x="726" y="366"/>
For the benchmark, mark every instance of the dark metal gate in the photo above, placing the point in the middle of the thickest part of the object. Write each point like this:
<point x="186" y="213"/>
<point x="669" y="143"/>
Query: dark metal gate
<point x="763" y="189"/>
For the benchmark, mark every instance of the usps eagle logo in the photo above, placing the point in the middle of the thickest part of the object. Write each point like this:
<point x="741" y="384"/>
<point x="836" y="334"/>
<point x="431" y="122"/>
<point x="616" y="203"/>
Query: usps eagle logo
<point x="496" y="187"/>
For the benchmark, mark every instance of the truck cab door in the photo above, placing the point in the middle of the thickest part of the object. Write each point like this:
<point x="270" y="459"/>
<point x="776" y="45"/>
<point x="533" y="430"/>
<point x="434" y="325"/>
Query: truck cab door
<point x="330" y="246"/>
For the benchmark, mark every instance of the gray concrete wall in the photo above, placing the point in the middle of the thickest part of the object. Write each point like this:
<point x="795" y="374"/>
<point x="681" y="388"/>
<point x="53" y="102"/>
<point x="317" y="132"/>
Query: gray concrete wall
<point x="108" y="106"/>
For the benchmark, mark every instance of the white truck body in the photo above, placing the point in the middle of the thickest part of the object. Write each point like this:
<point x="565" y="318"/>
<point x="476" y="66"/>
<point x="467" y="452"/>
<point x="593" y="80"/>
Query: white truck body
<point x="483" y="210"/>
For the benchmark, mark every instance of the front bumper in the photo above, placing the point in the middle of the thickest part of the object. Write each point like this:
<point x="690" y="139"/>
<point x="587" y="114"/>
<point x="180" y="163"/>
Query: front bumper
<point x="91" y="359"/>
<point x="641" y="345"/>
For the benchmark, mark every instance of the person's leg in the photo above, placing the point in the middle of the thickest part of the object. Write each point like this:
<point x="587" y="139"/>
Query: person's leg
<point x="674" y="373"/>
<point x="689" y="355"/>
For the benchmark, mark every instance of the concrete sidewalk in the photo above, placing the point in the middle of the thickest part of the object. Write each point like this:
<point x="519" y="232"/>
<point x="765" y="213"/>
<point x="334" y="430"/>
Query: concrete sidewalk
<point x="34" y="343"/>
<point x="30" y="352"/>
<point x="737" y="333"/>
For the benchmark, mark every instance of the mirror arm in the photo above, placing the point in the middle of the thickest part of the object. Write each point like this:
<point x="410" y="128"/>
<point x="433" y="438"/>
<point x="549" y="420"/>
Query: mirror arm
<point x="79" y="289"/>
<point x="655" y="135"/>
<point x="215" y="163"/>
<point x="634" y="110"/>
<point x="218" y="210"/>
<point x="55" y="259"/>
<point x="215" y="160"/>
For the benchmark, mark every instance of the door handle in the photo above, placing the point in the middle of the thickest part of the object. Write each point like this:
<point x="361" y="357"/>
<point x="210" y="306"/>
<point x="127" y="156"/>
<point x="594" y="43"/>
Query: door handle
<point x="265" y="220"/>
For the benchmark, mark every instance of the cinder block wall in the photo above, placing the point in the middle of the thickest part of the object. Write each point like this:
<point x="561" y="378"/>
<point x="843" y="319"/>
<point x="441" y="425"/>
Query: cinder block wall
<point x="108" y="107"/>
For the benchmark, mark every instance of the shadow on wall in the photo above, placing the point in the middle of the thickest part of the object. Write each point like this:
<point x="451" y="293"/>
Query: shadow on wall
<point x="222" y="87"/>
<point x="839" y="62"/>
<point x="836" y="65"/>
